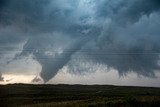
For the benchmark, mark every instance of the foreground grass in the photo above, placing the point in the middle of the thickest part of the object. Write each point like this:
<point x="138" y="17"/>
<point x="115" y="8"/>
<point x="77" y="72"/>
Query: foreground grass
<point x="21" y="95"/>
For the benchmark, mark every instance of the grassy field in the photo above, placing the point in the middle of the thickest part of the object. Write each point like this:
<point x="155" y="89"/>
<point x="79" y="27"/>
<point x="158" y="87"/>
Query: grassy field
<point x="23" y="95"/>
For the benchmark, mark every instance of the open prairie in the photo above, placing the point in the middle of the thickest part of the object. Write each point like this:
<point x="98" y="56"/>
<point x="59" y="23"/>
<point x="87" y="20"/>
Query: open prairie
<point x="25" y="95"/>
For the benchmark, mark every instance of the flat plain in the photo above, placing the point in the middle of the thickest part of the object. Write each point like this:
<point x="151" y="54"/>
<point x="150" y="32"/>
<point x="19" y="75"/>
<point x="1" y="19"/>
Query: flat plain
<point x="27" y="95"/>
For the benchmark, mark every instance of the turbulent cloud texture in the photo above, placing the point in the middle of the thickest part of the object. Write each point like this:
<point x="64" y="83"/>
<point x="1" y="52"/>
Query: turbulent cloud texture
<point x="123" y="35"/>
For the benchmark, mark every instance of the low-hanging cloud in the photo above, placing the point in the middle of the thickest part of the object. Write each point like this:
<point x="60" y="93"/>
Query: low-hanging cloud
<point x="1" y="78"/>
<point x="119" y="34"/>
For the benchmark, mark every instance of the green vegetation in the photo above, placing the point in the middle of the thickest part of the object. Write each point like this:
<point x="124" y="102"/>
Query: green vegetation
<point x="23" y="95"/>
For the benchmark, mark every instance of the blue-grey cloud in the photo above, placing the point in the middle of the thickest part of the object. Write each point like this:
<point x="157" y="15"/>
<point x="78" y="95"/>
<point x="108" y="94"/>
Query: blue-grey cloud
<point x="1" y="78"/>
<point x="36" y="79"/>
<point x="119" y="34"/>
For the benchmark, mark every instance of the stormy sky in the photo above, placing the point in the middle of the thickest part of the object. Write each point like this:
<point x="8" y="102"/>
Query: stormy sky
<point x="80" y="37"/>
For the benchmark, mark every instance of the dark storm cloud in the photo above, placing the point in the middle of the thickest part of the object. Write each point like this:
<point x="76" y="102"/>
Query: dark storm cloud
<point x="131" y="9"/>
<point x="41" y="15"/>
<point x="2" y="3"/>
<point x="51" y="64"/>
<point x="36" y="79"/>
<point x="130" y="42"/>
<point x="37" y="19"/>
<point x="120" y="34"/>
<point x="138" y="8"/>
<point x="1" y="78"/>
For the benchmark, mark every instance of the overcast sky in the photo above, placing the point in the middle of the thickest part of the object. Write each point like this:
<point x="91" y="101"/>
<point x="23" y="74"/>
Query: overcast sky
<point x="80" y="41"/>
